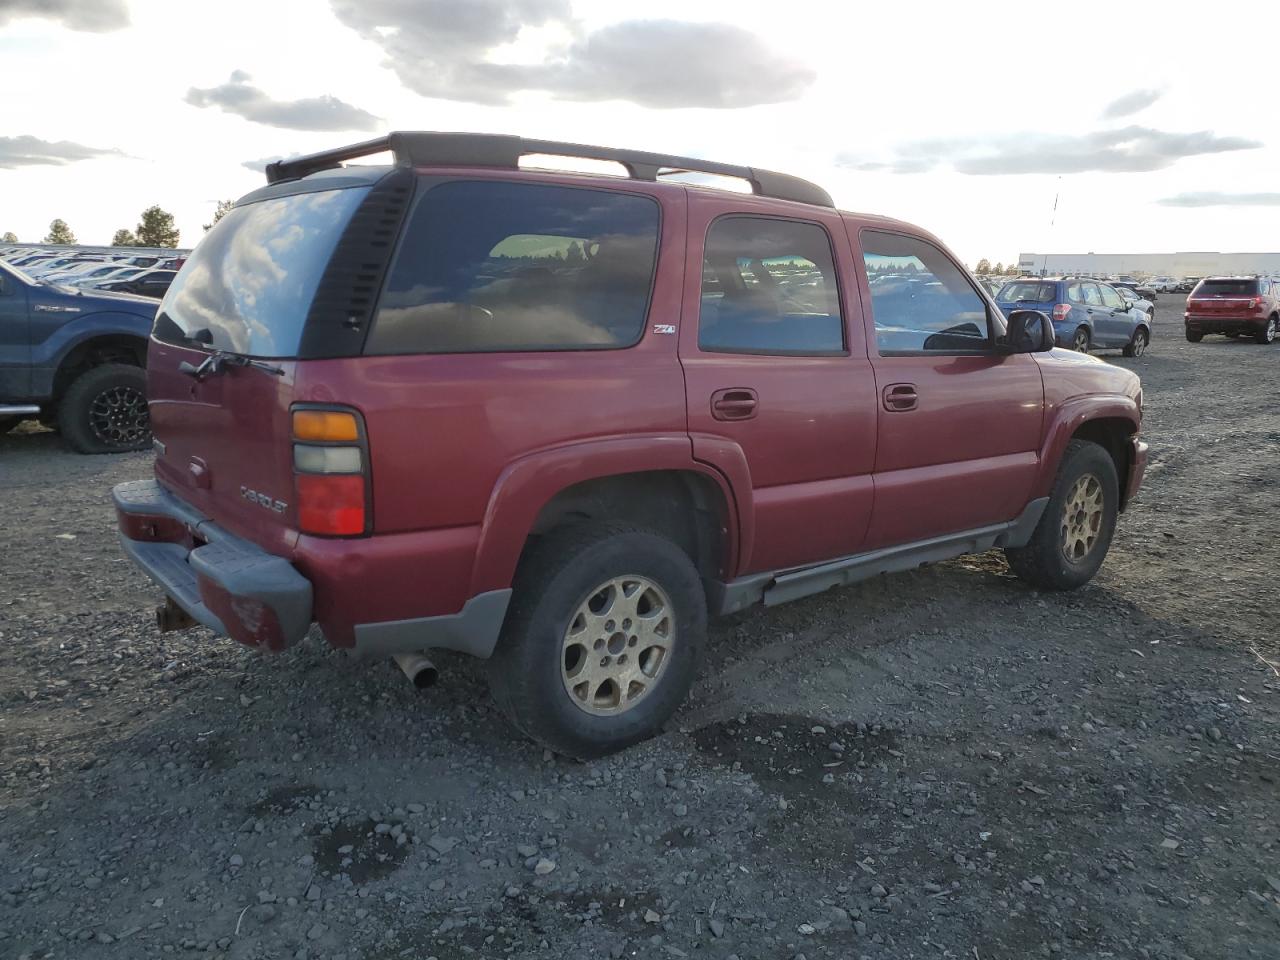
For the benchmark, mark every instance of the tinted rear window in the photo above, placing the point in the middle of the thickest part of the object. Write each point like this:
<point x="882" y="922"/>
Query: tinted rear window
<point x="1227" y="288"/>
<point x="248" y="286"/>
<point x="1024" y="292"/>
<point x="493" y="266"/>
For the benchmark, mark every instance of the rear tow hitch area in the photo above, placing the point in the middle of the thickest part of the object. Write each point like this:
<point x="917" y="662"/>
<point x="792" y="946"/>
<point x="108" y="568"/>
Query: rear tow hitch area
<point x="170" y="617"/>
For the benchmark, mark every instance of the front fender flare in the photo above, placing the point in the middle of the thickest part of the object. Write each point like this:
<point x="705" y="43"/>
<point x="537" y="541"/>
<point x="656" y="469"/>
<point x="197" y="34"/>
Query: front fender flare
<point x="1068" y="418"/>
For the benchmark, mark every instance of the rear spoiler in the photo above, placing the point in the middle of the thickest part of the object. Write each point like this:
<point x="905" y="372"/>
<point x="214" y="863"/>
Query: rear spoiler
<point x="423" y="149"/>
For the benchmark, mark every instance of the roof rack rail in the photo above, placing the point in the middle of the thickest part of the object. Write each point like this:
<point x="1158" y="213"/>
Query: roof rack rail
<point x="415" y="149"/>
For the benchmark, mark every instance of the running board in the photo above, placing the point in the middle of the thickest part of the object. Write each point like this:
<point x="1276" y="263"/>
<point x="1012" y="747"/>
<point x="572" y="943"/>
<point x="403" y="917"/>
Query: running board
<point x="18" y="409"/>
<point x="784" y="585"/>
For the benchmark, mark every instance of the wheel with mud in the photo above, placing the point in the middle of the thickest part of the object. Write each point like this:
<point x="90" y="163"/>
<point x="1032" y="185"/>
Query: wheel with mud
<point x="105" y="410"/>
<point x="1268" y="333"/>
<point x="1073" y="536"/>
<point x="602" y="641"/>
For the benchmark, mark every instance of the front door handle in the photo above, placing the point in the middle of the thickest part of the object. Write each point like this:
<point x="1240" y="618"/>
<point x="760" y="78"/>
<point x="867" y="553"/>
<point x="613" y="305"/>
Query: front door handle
<point x="734" y="403"/>
<point x="900" y="396"/>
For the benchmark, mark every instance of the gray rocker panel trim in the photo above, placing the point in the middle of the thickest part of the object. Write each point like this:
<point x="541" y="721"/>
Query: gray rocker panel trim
<point x="780" y="586"/>
<point x="474" y="630"/>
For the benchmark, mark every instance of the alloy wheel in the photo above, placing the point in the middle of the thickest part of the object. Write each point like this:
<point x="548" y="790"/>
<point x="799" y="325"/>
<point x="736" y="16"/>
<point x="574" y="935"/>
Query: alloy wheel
<point x="1082" y="517"/>
<point x="617" y="645"/>
<point x="118" y="416"/>
<point x="1080" y="342"/>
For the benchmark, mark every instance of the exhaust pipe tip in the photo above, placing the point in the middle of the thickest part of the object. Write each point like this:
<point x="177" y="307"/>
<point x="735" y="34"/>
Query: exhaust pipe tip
<point x="422" y="673"/>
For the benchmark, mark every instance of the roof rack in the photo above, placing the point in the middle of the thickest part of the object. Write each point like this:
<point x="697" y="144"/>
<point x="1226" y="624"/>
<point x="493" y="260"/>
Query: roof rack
<point x="420" y="149"/>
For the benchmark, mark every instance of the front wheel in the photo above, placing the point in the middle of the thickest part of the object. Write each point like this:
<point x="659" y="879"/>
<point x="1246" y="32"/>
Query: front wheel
<point x="1268" y="333"/>
<point x="1080" y="340"/>
<point x="1073" y="536"/>
<point x="105" y="410"/>
<point x="1138" y="345"/>
<point x="602" y="641"/>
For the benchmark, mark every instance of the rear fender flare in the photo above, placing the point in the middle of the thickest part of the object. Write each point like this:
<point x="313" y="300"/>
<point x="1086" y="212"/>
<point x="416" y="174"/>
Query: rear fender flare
<point x="529" y="484"/>
<point x="1067" y="419"/>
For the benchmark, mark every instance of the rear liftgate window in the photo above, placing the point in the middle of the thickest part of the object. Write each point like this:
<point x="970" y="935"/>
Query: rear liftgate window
<point x="249" y="284"/>
<point x="495" y="266"/>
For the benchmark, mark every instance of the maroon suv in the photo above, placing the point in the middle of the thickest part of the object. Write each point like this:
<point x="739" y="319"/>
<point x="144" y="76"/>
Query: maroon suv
<point x="1236" y="306"/>
<point x="555" y="420"/>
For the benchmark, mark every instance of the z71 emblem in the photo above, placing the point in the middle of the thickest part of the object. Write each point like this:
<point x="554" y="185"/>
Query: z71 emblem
<point x="664" y="328"/>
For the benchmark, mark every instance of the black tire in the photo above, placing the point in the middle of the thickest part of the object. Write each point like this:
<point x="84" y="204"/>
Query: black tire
<point x="1268" y="333"/>
<point x="1138" y="345"/>
<point x="556" y="577"/>
<point x="1193" y="337"/>
<point x="105" y="410"/>
<point x="1043" y="562"/>
<point x="1081" y="340"/>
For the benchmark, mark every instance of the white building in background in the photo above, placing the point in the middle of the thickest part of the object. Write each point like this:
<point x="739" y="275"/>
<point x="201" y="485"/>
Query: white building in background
<point x="1192" y="264"/>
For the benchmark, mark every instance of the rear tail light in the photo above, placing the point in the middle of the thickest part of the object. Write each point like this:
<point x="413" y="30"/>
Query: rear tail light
<point x="1255" y="303"/>
<point x="330" y="472"/>
<point x="1061" y="311"/>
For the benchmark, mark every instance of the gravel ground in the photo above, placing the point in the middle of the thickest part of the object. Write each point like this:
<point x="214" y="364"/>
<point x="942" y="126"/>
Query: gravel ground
<point x="939" y="764"/>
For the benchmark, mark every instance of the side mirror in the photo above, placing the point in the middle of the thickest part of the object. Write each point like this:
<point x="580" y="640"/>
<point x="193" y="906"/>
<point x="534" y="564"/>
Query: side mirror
<point x="1030" y="331"/>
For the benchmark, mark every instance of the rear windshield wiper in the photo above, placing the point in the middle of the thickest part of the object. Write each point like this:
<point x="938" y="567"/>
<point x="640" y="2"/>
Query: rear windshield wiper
<point x="218" y="361"/>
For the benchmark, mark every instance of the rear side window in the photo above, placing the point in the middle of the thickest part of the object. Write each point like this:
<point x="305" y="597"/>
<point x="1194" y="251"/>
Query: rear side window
<point x="921" y="301"/>
<point x="769" y="286"/>
<point x="1228" y="288"/>
<point x="1021" y="291"/>
<point x="248" y="285"/>
<point x="490" y="265"/>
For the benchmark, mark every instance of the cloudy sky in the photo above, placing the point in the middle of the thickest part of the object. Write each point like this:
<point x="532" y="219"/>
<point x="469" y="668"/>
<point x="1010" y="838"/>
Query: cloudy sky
<point x="1154" y="133"/>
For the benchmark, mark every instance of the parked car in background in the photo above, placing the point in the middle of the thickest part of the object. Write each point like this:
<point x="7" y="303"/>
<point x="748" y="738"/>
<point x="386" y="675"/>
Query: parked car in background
<point x="1134" y="300"/>
<point x="74" y="360"/>
<point x="104" y="274"/>
<point x="435" y="463"/>
<point x="1187" y="284"/>
<point x="149" y="283"/>
<point x="1142" y="290"/>
<point x="1163" y="284"/>
<point x="1234" y="306"/>
<point x="1087" y="314"/>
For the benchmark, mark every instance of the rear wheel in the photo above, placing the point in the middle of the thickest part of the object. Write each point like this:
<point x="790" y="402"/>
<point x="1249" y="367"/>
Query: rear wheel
<point x="1268" y="333"/>
<point x="1138" y="345"/>
<point x="602" y="641"/>
<point x="1194" y="337"/>
<point x="1072" y="538"/>
<point x="105" y="410"/>
<point x="1080" y="340"/>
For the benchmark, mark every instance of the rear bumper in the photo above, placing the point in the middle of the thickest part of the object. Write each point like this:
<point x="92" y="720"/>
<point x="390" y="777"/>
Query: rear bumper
<point x="233" y="587"/>
<point x="263" y="600"/>
<point x="1137" y="468"/>
<point x="1225" y="324"/>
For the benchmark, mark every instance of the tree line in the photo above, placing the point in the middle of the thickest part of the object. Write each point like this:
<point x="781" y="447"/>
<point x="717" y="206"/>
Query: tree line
<point x="156" y="228"/>
<point x="984" y="266"/>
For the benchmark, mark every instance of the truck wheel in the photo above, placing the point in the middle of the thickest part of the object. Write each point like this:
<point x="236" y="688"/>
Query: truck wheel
<point x="105" y="410"/>
<point x="1080" y="341"/>
<point x="602" y="641"/>
<point x="1072" y="538"/>
<point x="1194" y="337"/>
<point x="1268" y="333"/>
<point x="1138" y="345"/>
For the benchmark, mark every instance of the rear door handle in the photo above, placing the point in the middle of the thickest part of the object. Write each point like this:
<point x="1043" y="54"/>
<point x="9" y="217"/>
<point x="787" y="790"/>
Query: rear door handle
<point x="900" y="396"/>
<point x="734" y="403"/>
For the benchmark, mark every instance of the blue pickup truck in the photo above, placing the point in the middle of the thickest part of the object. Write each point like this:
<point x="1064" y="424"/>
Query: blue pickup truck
<point x="74" y="359"/>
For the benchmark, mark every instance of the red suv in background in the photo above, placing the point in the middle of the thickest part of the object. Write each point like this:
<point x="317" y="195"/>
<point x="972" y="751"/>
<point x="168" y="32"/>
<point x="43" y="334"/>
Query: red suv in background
<point x="555" y="420"/>
<point x="1234" y="306"/>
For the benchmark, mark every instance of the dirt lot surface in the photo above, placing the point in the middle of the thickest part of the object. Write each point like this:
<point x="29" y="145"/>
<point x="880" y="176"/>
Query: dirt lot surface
<point x="939" y="764"/>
